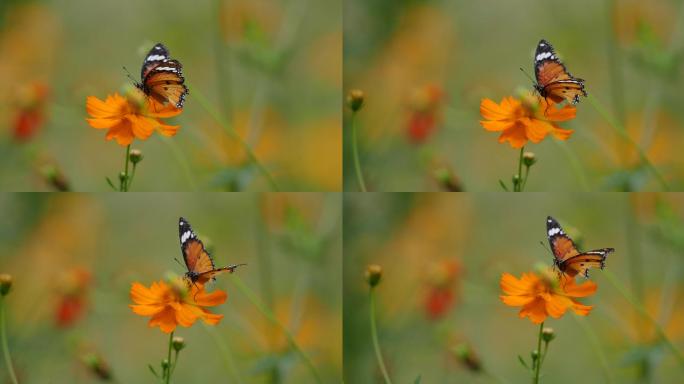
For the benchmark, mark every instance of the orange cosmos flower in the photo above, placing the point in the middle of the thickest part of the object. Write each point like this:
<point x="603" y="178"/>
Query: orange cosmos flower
<point x="425" y="113"/>
<point x="529" y="118"/>
<point x="31" y="111"/>
<point x="175" y="304"/>
<point x="72" y="302"/>
<point x="542" y="296"/>
<point x="134" y="116"/>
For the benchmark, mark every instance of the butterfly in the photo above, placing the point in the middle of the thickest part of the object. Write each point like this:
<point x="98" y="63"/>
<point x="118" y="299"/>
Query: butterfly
<point x="162" y="77"/>
<point x="553" y="79"/>
<point x="198" y="261"/>
<point x="567" y="258"/>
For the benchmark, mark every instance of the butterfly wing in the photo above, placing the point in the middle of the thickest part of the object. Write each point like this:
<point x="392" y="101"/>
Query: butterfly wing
<point x="553" y="79"/>
<point x="562" y="246"/>
<point x="206" y="276"/>
<point x="581" y="263"/>
<point x="197" y="259"/>
<point x="162" y="77"/>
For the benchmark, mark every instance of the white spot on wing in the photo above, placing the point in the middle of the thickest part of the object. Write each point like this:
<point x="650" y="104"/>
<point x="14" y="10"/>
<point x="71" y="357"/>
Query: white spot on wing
<point x="185" y="236"/>
<point x="554" y="231"/>
<point x="544" y="55"/>
<point x="155" y="57"/>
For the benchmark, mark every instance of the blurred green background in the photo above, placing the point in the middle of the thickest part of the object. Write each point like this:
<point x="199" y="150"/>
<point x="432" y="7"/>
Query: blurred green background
<point x="273" y="68"/>
<point x="426" y="65"/>
<point x="291" y="243"/>
<point x="443" y="256"/>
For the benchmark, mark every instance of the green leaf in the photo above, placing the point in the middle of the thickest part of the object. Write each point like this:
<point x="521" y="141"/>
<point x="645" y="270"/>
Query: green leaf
<point x="111" y="184"/>
<point x="417" y="380"/>
<point x="153" y="371"/>
<point x="503" y="185"/>
<point x="522" y="361"/>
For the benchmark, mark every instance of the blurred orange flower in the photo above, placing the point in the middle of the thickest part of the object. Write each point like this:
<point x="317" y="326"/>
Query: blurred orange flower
<point x="134" y="116"/>
<point x="30" y="114"/>
<point x="442" y="286"/>
<point x="425" y="112"/>
<point x="175" y="304"/>
<point x="73" y="297"/>
<point x="528" y="118"/>
<point x="542" y="296"/>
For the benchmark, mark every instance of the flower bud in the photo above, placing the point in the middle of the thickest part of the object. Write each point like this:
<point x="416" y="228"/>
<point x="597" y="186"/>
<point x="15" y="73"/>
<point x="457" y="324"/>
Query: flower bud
<point x="165" y="364"/>
<point x="55" y="178"/>
<point x="135" y="156"/>
<point x="529" y="159"/>
<point x="548" y="334"/>
<point x="516" y="179"/>
<point x="122" y="176"/>
<point x="355" y="99"/>
<point x="178" y="343"/>
<point x="467" y="356"/>
<point x="97" y="366"/>
<point x="535" y="355"/>
<point x="5" y="283"/>
<point x="373" y="274"/>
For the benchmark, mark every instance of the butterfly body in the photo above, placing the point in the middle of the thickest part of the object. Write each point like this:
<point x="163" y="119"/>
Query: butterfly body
<point x="553" y="79"/>
<point x="567" y="258"/>
<point x="200" y="265"/>
<point x="161" y="77"/>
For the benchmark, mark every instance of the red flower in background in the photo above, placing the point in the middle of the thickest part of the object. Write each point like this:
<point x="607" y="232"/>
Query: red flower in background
<point x="441" y="288"/>
<point x="30" y="114"/>
<point x="72" y="301"/>
<point x="425" y="112"/>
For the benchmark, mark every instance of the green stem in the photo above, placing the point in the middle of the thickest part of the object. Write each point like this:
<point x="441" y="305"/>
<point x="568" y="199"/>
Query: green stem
<point x="124" y="181"/>
<point x="659" y="330"/>
<point x="355" y="150"/>
<point x="517" y="186"/>
<point x="527" y="174"/>
<point x="622" y="132"/>
<point x="249" y="294"/>
<point x="374" y="334"/>
<point x="182" y="161"/>
<point x="234" y="135"/>
<point x="5" y="347"/>
<point x="537" y="367"/>
<point x="167" y="371"/>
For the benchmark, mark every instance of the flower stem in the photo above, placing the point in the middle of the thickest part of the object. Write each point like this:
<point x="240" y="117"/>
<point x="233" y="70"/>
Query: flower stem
<point x="124" y="179"/>
<point x="374" y="334"/>
<point x="167" y="374"/>
<point x="234" y="135"/>
<point x="537" y="363"/>
<point x="5" y="347"/>
<point x="517" y="185"/>
<point x="355" y="150"/>
<point x="249" y="294"/>
<point x="622" y="132"/>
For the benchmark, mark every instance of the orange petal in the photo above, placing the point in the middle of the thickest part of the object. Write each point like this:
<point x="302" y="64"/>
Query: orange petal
<point x="581" y="309"/>
<point x="112" y="107"/>
<point x="185" y="315"/>
<point x="211" y="318"/>
<point x="512" y="286"/>
<point x="517" y="301"/>
<point x="142" y="295"/>
<point x="492" y="111"/>
<point x="167" y="130"/>
<point x="586" y="289"/>
<point x="497" y="125"/>
<point x="556" y="305"/>
<point x="536" y="130"/>
<point x="568" y="112"/>
<point x="560" y="133"/>
<point x="121" y="132"/>
<point x="535" y="311"/>
<point x="141" y="126"/>
<point x="515" y="135"/>
<point x="156" y="109"/>
<point x="165" y="320"/>
<point x="211" y="299"/>
<point x="147" y="310"/>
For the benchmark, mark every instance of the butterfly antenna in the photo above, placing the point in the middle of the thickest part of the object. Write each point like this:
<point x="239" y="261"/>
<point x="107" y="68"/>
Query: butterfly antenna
<point x="128" y="74"/>
<point x="528" y="75"/>
<point x="177" y="261"/>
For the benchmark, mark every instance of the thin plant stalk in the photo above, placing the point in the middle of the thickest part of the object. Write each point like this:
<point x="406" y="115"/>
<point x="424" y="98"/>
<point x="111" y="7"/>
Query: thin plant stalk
<point x="251" y="296"/>
<point x="226" y="353"/>
<point x="640" y="308"/>
<point x="182" y="161"/>
<point x="374" y="335"/>
<point x="5" y="346"/>
<point x="123" y="186"/>
<point x="596" y="346"/>
<point x="167" y="371"/>
<point x="355" y="150"/>
<point x="538" y="362"/>
<point x="622" y="132"/>
<point x="228" y="128"/>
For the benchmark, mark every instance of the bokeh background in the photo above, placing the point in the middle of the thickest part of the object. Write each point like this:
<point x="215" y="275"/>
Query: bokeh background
<point x="74" y="257"/>
<point x="443" y="256"/>
<point x="426" y="65"/>
<point x="272" y="68"/>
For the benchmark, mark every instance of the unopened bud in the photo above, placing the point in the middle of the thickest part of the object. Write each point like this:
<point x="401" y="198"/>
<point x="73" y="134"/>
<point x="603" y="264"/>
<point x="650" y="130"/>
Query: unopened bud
<point x="467" y="356"/>
<point x="165" y="364"/>
<point x="373" y="274"/>
<point x="355" y="99"/>
<point x="5" y="283"/>
<point x="548" y="334"/>
<point x="135" y="156"/>
<point x="178" y="343"/>
<point x="97" y="366"/>
<point x="529" y="159"/>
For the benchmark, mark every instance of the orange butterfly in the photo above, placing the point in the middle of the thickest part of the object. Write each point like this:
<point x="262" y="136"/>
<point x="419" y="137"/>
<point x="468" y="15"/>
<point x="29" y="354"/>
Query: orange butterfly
<point x="198" y="261"/>
<point x="567" y="258"/>
<point x="162" y="77"/>
<point x="553" y="80"/>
